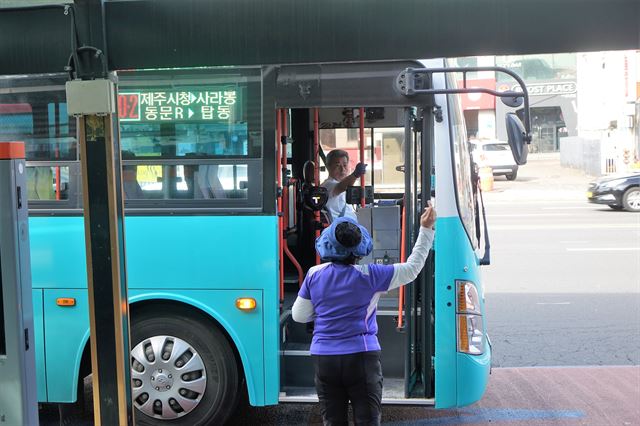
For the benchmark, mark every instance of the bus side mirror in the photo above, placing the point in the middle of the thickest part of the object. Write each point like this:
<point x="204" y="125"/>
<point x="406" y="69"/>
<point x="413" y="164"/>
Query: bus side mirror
<point x="516" y="136"/>
<point x="514" y="100"/>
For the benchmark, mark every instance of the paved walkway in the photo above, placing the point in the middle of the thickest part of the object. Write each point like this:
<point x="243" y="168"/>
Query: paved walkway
<point x="554" y="396"/>
<point x="542" y="178"/>
<point x="549" y="396"/>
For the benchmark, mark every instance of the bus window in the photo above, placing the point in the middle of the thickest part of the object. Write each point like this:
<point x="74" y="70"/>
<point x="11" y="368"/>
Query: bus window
<point x="40" y="120"/>
<point x="180" y="140"/>
<point x="208" y="181"/>
<point x="391" y="143"/>
<point x="44" y="127"/>
<point x="462" y="159"/>
<point x="16" y="120"/>
<point x="192" y="142"/>
<point x="388" y="154"/>
<point x="48" y="182"/>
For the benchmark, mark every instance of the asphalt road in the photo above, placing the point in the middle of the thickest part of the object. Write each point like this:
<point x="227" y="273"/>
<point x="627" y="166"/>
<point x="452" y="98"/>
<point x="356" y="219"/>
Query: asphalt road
<point x="562" y="247"/>
<point x="563" y="287"/>
<point x="563" y="329"/>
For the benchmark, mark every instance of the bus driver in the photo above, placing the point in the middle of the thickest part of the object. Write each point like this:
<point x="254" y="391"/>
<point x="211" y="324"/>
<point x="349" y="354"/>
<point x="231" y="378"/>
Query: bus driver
<point x="338" y="181"/>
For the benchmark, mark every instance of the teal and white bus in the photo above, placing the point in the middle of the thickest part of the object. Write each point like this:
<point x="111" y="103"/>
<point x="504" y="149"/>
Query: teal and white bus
<point x="221" y="173"/>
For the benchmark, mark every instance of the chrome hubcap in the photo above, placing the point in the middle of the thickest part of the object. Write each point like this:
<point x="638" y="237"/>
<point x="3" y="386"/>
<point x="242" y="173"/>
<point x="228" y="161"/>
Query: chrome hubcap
<point x="168" y="377"/>
<point x="161" y="381"/>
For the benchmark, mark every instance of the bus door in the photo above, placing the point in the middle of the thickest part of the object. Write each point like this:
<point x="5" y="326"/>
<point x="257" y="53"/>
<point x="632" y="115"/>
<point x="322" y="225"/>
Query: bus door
<point x="319" y="109"/>
<point x="421" y="361"/>
<point x="461" y="351"/>
<point x="417" y="299"/>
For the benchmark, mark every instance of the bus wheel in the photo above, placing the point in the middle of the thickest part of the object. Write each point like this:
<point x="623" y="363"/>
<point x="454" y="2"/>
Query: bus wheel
<point x="183" y="372"/>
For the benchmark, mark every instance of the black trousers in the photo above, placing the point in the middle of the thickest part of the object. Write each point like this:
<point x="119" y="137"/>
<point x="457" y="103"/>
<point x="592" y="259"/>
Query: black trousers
<point x="352" y="377"/>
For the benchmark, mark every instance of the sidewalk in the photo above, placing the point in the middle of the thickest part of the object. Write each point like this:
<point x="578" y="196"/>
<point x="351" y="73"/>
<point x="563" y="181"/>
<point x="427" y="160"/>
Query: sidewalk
<point x="542" y="178"/>
<point x="546" y="396"/>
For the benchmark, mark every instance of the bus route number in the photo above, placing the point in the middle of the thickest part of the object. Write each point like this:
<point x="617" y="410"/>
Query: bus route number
<point x="129" y="106"/>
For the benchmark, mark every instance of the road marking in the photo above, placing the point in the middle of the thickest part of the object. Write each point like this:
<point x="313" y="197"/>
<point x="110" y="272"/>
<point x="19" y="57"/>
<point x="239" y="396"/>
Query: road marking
<point x="539" y="203"/>
<point x="570" y="208"/>
<point x="530" y="215"/>
<point x="605" y="249"/>
<point x="566" y="226"/>
<point x="487" y="415"/>
<point x="553" y="303"/>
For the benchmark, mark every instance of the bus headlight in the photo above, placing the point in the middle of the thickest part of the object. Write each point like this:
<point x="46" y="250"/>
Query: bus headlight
<point x="468" y="301"/>
<point x="470" y="334"/>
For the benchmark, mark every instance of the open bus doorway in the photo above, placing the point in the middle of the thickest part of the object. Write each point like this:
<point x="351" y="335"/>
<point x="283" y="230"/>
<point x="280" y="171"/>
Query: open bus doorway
<point x="424" y="104"/>
<point x="405" y="338"/>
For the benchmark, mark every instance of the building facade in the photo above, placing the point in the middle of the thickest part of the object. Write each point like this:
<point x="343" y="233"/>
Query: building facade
<point x="586" y="102"/>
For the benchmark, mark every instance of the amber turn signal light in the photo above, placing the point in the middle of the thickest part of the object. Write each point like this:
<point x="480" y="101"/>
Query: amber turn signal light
<point x="246" y="303"/>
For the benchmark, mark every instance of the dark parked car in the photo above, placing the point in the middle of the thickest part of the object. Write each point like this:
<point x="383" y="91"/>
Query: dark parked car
<point x="618" y="192"/>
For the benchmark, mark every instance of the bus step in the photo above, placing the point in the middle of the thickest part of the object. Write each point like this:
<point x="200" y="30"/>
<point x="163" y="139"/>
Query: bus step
<point x="296" y="332"/>
<point x="296" y="365"/>
<point x="392" y="393"/>
<point x="296" y="349"/>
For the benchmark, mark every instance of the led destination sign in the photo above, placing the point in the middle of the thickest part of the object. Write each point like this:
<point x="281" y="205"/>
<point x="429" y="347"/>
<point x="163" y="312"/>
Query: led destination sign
<point x="213" y="105"/>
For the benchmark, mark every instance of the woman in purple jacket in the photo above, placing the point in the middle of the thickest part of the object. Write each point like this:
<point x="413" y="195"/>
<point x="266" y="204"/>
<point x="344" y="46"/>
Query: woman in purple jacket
<point x="341" y="297"/>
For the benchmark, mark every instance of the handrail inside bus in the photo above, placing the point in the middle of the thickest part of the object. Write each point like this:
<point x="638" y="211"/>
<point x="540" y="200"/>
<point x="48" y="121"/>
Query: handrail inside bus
<point x="316" y="169"/>
<point x="279" y="198"/>
<point x="361" y="143"/>
<point x="403" y="255"/>
<point x="284" y="212"/>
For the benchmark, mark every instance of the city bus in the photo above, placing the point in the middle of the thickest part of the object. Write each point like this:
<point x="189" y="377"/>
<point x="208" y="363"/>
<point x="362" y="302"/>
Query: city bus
<point x="221" y="171"/>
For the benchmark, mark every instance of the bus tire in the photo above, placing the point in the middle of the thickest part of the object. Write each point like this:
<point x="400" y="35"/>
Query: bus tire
<point x="197" y="384"/>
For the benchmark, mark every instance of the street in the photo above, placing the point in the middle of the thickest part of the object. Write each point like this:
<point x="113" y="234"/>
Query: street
<point x="563" y="287"/>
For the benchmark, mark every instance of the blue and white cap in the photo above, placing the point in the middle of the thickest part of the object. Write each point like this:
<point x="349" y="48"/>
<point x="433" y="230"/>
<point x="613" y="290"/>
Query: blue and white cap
<point x="330" y="249"/>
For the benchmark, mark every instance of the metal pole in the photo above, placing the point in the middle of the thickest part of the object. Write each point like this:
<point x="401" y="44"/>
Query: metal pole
<point x="93" y="102"/>
<point x="316" y="169"/>
<point x="409" y="203"/>
<point x="425" y="277"/>
<point x="279" y="195"/>
<point x="362" y="178"/>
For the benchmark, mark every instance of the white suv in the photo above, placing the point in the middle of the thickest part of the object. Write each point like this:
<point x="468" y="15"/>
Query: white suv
<point x="495" y="154"/>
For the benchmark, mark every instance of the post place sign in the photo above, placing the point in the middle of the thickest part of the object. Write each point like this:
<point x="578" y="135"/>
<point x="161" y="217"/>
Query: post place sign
<point x="221" y="104"/>
<point x="543" y="89"/>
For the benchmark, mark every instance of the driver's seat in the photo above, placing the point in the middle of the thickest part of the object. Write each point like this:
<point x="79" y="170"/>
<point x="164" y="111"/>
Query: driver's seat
<point x="314" y="197"/>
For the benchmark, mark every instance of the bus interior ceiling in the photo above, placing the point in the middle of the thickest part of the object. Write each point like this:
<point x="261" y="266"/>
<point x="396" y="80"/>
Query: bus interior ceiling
<point x="338" y="128"/>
